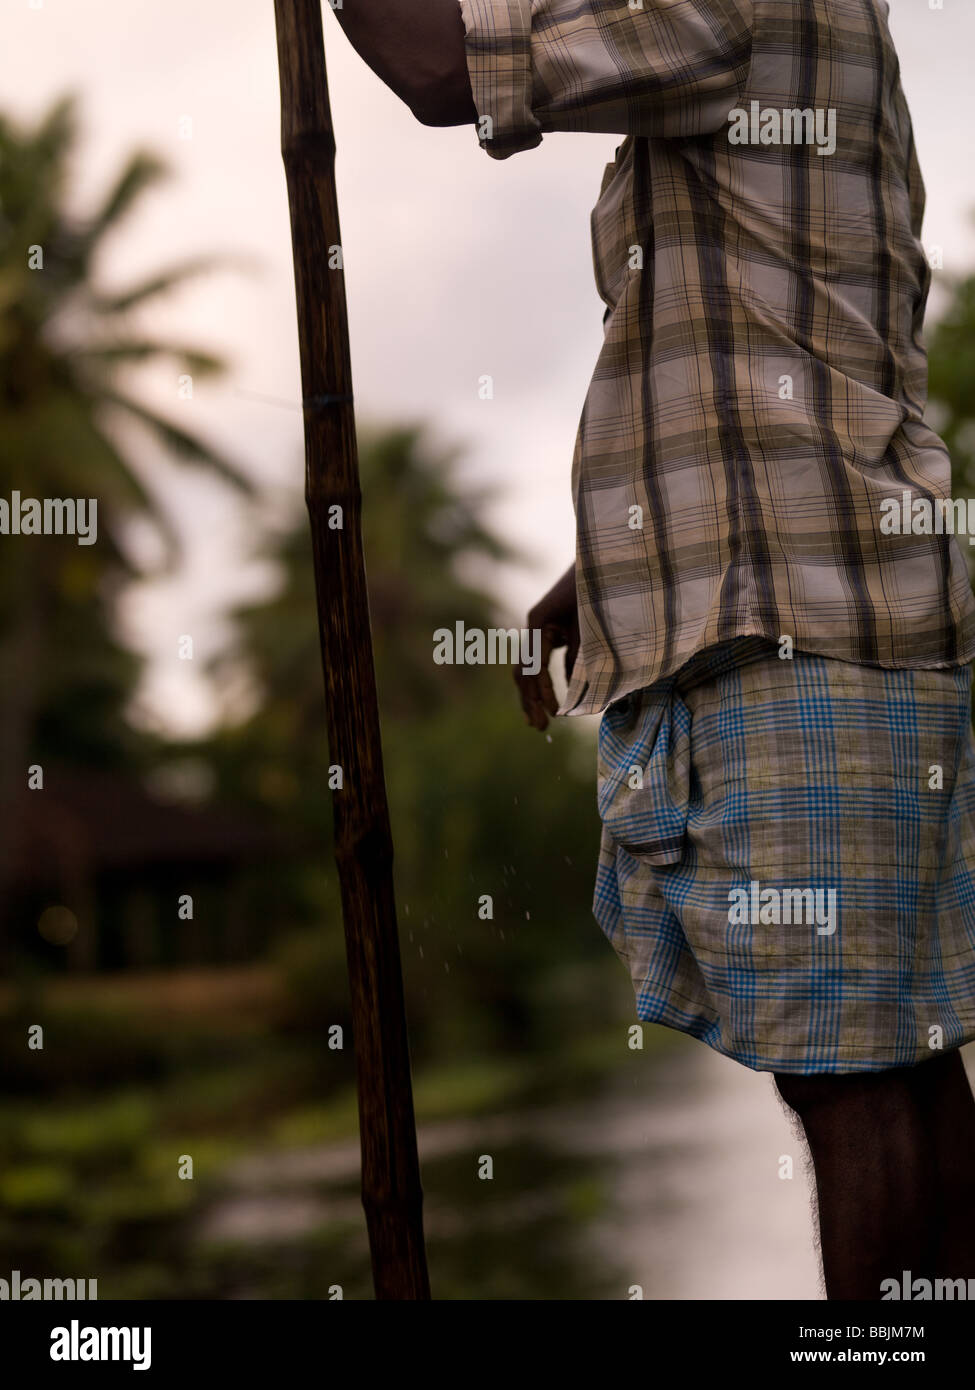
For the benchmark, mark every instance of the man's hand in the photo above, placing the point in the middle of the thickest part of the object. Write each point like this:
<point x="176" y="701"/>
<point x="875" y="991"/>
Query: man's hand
<point x="558" y="618"/>
<point x="418" y="48"/>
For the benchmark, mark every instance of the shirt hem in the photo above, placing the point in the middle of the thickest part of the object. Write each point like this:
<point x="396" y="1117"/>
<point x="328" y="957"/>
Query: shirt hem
<point x="588" y="702"/>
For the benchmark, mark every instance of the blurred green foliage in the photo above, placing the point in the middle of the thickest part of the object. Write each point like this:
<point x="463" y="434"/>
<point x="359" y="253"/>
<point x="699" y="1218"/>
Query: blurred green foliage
<point x="519" y="1007"/>
<point x="481" y="806"/>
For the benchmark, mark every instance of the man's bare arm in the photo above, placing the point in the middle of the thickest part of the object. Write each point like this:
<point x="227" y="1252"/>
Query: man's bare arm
<point x="417" y="48"/>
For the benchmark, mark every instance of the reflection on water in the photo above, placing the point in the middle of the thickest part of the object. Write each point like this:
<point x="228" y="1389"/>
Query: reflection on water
<point x="669" y="1179"/>
<point x="701" y="1211"/>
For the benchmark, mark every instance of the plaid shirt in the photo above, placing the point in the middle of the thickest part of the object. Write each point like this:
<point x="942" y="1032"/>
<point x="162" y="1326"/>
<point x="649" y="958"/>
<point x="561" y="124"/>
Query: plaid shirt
<point x="761" y="385"/>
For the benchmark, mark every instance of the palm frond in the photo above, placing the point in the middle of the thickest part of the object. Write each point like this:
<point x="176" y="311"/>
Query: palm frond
<point x="161" y="283"/>
<point x="140" y="172"/>
<point x="172" y="278"/>
<point x="57" y="132"/>
<point x="125" y="351"/>
<point x="185" y="446"/>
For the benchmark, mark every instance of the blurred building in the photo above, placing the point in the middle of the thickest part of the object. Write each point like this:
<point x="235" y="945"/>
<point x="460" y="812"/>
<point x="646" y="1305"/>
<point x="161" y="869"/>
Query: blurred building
<point x="147" y="881"/>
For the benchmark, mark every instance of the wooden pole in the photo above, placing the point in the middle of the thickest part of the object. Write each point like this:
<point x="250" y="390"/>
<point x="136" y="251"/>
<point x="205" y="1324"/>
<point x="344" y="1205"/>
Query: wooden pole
<point x="391" y="1191"/>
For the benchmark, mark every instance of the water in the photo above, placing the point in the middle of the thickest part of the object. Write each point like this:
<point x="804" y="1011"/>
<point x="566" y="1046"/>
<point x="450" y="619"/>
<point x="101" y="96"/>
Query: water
<point x="669" y="1180"/>
<point x="700" y="1210"/>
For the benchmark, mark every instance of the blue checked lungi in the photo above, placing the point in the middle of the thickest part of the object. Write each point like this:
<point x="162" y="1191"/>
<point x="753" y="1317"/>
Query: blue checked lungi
<point x="745" y="773"/>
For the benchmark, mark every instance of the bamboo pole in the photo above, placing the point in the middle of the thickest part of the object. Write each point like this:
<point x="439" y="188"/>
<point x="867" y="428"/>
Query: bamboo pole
<point x="391" y="1191"/>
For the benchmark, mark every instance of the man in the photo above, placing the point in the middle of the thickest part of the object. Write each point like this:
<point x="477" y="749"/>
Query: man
<point x="778" y="641"/>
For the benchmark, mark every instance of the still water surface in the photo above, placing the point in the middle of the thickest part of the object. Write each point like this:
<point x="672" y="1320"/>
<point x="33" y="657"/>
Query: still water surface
<point x="667" y="1179"/>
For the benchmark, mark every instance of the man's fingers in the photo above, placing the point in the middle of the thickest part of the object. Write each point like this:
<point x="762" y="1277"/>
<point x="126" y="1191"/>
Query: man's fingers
<point x="532" y="703"/>
<point x="538" y="697"/>
<point x="536" y="691"/>
<point x="551" y="638"/>
<point x="531" y="700"/>
<point x="572" y="651"/>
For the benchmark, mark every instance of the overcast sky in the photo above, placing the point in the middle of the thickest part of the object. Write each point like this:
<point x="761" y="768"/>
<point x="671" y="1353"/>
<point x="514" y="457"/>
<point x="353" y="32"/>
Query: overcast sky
<point x="456" y="265"/>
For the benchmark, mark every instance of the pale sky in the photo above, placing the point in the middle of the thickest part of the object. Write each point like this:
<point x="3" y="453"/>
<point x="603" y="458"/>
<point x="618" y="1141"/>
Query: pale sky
<point x="456" y="265"/>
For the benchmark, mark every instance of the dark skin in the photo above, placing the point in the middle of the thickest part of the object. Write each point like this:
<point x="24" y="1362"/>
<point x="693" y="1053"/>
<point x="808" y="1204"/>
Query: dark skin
<point x="557" y="617"/>
<point x="893" y="1151"/>
<point x="417" y="48"/>
<point x="894" y="1159"/>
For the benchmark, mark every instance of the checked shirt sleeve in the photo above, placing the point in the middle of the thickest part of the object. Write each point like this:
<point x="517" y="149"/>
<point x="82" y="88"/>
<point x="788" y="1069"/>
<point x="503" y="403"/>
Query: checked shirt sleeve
<point x="660" y="68"/>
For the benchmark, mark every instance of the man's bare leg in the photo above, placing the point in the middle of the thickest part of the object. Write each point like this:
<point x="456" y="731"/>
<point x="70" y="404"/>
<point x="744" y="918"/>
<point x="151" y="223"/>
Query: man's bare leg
<point x="894" y="1158"/>
<point x="948" y="1111"/>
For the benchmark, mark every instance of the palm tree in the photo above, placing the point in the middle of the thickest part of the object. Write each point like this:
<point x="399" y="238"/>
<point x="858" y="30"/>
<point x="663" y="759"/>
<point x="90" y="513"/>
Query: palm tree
<point x="422" y="532"/>
<point x="66" y="346"/>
